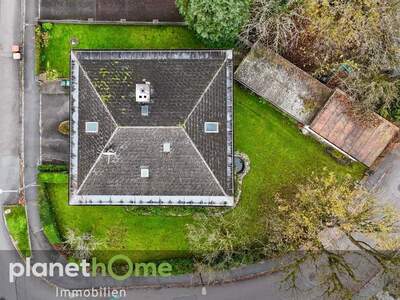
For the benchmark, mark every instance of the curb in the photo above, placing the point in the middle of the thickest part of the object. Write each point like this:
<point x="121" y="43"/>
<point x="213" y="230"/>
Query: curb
<point x="249" y="272"/>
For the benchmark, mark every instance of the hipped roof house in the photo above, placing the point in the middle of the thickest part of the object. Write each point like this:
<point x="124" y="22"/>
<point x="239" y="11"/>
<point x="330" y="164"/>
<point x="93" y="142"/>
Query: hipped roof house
<point x="151" y="128"/>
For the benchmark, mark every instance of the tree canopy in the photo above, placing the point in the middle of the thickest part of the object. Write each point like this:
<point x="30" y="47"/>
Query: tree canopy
<point x="216" y="22"/>
<point x="323" y="202"/>
<point x="322" y="37"/>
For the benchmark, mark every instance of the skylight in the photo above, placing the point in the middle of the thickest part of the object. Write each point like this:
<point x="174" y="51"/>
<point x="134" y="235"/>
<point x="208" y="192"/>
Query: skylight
<point x="91" y="127"/>
<point x="144" y="172"/>
<point x="144" y="109"/>
<point x="167" y="147"/>
<point x="211" y="127"/>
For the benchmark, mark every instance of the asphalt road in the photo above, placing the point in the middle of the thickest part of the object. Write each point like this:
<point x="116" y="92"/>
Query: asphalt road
<point x="9" y="97"/>
<point x="10" y="24"/>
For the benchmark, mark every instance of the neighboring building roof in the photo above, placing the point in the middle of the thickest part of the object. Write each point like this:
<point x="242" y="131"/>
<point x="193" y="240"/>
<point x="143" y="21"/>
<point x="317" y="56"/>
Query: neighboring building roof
<point x="283" y="84"/>
<point x="364" y="142"/>
<point x="106" y="10"/>
<point x="188" y="88"/>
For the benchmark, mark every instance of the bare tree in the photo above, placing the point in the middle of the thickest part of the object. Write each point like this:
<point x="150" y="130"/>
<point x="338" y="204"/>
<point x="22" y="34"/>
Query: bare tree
<point x="322" y="37"/>
<point x="220" y="242"/>
<point x="277" y="26"/>
<point x="326" y="204"/>
<point x="82" y="245"/>
<point x="300" y="223"/>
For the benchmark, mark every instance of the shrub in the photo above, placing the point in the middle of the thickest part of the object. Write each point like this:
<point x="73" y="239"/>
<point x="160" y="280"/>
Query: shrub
<point x="47" y="217"/>
<point x="392" y="112"/>
<point x="51" y="74"/>
<point x="53" y="177"/>
<point x="53" y="168"/>
<point x="63" y="128"/>
<point x="47" y="26"/>
<point x="216" y="22"/>
<point x="42" y="37"/>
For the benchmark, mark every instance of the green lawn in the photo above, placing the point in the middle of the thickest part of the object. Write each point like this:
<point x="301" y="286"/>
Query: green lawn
<point x="17" y="225"/>
<point x="280" y="156"/>
<point x="56" y="54"/>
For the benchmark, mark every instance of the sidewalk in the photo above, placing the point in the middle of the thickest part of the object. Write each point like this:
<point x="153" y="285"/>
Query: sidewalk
<point x="385" y="181"/>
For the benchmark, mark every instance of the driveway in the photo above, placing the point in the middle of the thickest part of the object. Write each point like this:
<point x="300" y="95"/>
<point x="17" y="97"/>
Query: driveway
<point x="54" y="109"/>
<point x="385" y="181"/>
<point x="106" y="10"/>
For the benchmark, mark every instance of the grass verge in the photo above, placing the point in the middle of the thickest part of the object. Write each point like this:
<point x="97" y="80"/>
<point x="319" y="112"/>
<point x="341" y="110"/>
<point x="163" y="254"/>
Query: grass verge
<point x="17" y="225"/>
<point x="55" y="56"/>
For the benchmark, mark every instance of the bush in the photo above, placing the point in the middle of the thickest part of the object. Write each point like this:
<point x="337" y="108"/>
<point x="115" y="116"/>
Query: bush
<point x="63" y="128"/>
<point x="392" y="112"/>
<point x="53" y="168"/>
<point x="51" y="74"/>
<point x="47" y="217"/>
<point x="52" y="177"/>
<point x="47" y="27"/>
<point x="216" y="22"/>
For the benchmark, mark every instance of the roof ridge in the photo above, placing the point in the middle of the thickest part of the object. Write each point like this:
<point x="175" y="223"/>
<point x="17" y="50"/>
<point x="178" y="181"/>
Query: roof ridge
<point x="159" y="127"/>
<point x="97" y="160"/>
<point x="97" y="93"/>
<point x="204" y="161"/>
<point x="206" y="89"/>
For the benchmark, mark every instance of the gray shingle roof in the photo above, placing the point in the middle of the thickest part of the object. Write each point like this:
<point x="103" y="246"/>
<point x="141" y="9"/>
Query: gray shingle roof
<point x="189" y="88"/>
<point x="179" y="172"/>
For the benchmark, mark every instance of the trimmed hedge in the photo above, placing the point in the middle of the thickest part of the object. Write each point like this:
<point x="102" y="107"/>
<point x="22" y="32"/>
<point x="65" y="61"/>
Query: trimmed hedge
<point x="47" y="217"/>
<point x="53" y="177"/>
<point x="52" y="168"/>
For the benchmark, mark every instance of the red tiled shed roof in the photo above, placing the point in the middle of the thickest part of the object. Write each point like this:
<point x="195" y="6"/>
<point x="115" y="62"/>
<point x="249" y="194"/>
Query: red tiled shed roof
<point x="364" y="142"/>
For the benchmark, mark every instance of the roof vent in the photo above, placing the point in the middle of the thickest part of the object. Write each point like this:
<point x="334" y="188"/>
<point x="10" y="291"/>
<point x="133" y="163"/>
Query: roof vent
<point x="109" y="153"/>
<point x="167" y="147"/>
<point x="143" y="92"/>
<point x="144" y="172"/>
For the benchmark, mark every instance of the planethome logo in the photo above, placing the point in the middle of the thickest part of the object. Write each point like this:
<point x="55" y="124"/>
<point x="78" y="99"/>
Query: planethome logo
<point x="88" y="269"/>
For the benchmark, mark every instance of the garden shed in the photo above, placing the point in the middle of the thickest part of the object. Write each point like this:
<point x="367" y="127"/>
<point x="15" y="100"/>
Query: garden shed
<point x="364" y="141"/>
<point x="283" y="84"/>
